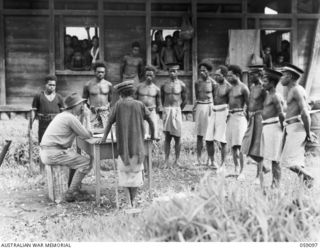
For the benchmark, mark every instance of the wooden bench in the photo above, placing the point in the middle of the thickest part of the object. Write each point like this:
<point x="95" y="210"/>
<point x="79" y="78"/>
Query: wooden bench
<point x="57" y="179"/>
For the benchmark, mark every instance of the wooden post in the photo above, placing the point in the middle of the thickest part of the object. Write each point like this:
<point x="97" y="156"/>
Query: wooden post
<point x="52" y="63"/>
<point x="244" y="14"/>
<point x="294" y="41"/>
<point x="148" y="29"/>
<point x="96" y="166"/>
<point x="194" y="48"/>
<point x="101" y="29"/>
<point x="149" y="144"/>
<point x="31" y="115"/>
<point x="2" y="58"/>
<point x="61" y="41"/>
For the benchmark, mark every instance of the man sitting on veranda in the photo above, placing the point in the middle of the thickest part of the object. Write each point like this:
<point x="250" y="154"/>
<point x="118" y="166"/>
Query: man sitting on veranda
<point x="58" y="139"/>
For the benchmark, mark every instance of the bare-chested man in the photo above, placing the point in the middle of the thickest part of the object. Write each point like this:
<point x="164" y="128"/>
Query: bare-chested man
<point x="173" y="97"/>
<point x="98" y="91"/>
<point x="252" y="138"/>
<point x="218" y="121"/>
<point x="149" y="94"/>
<point x="273" y="117"/>
<point x="237" y="122"/>
<point x="132" y="65"/>
<point x="297" y="124"/>
<point x="203" y="106"/>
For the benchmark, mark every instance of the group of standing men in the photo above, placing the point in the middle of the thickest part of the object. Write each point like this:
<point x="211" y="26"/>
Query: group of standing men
<point x="224" y="106"/>
<point x="251" y="120"/>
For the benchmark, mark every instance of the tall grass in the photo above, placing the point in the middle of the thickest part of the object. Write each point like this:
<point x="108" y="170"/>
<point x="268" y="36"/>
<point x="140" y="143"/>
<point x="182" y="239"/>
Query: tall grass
<point x="219" y="212"/>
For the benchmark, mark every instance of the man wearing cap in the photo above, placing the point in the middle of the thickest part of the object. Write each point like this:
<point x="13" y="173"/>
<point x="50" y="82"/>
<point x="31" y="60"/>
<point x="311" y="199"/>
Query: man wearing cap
<point x="236" y="122"/>
<point x="218" y="121"/>
<point x="173" y="97"/>
<point x="58" y="139"/>
<point x="132" y="65"/>
<point x="129" y="115"/>
<point x="297" y="124"/>
<point x="149" y="94"/>
<point x="98" y="91"/>
<point x="252" y="138"/>
<point x="204" y="101"/>
<point x="273" y="117"/>
<point x="47" y="104"/>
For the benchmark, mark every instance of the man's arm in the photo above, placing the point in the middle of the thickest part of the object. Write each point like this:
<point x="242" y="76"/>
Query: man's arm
<point x="303" y="106"/>
<point x="122" y="67"/>
<point x="246" y="93"/>
<point x="140" y="68"/>
<point x="78" y="128"/>
<point x="136" y="93"/>
<point x="278" y="105"/>
<point x="196" y="88"/>
<point x="183" y="96"/>
<point x="35" y="107"/>
<point x="162" y="95"/>
<point x="164" y="67"/>
<point x="149" y="120"/>
<point x="158" y="100"/>
<point x="110" y="93"/>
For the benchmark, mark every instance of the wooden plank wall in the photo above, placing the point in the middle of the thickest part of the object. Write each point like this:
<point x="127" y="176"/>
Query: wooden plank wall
<point x="27" y="56"/>
<point x="213" y="38"/>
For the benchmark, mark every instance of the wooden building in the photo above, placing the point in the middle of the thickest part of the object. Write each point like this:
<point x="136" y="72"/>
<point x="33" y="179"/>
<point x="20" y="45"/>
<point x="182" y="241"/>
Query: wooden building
<point x="32" y="37"/>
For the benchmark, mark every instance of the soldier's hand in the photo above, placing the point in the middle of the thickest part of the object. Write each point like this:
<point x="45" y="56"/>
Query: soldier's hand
<point x="86" y="111"/>
<point x="102" y="140"/>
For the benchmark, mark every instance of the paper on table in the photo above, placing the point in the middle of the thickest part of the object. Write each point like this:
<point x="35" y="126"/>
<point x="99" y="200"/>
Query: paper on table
<point x="98" y="135"/>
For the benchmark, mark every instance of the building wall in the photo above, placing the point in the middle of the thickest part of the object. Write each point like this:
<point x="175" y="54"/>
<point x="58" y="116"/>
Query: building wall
<point x="26" y="57"/>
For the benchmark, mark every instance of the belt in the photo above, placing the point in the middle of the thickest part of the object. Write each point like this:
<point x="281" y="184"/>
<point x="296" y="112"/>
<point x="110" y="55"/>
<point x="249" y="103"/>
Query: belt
<point x="46" y="117"/>
<point x="97" y="109"/>
<point x="292" y="121"/>
<point x="236" y="110"/>
<point x="203" y="103"/>
<point x="43" y="147"/>
<point x="220" y="110"/>
<point x="274" y="122"/>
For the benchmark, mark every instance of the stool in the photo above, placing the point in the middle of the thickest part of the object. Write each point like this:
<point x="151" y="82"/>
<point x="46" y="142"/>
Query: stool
<point x="57" y="178"/>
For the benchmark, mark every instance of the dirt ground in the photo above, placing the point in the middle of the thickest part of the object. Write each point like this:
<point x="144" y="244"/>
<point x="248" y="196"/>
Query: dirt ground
<point x="26" y="213"/>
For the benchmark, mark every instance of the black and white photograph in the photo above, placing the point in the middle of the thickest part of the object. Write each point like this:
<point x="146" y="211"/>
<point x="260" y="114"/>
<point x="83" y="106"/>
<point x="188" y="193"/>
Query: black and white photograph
<point x="159" y="121"/>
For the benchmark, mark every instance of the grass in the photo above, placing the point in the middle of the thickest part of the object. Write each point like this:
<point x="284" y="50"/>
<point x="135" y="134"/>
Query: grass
<point x="189" y="204"/>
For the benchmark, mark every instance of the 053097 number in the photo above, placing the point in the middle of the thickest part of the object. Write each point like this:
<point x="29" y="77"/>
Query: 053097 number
<point x="312" y="245"/>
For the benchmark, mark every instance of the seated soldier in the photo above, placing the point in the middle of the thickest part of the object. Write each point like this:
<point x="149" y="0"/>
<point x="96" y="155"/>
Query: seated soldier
<point x="58" y="139"/>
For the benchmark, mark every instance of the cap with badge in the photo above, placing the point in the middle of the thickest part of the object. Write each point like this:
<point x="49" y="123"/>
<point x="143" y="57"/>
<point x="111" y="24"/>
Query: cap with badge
<point x="128" y="84"/>
<point x="173" y="66"/>
<point x="272" y="74"/>
<point x="292" y="68"/>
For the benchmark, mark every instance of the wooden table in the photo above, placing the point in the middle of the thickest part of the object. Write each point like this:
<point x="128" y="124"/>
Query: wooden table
<point x="98" y="152"/>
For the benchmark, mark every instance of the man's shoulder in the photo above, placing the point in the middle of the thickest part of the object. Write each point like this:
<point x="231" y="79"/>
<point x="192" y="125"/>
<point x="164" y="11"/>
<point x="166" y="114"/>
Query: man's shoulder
<point x="244" y="86"/>
<point x="298" y="90"/>
<point x="181" y="83"/>
<point x="38" y="94"/>
<point x="89" y="82"/>
<point x="105" y="82"/>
